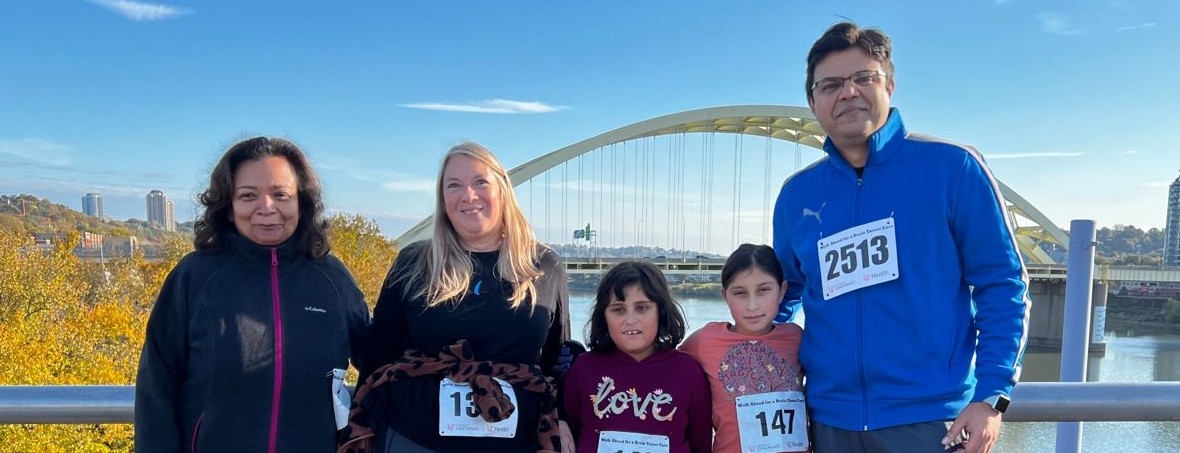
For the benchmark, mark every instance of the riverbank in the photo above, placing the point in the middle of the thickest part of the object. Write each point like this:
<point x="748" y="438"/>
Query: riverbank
<point x="1156" y="314"/>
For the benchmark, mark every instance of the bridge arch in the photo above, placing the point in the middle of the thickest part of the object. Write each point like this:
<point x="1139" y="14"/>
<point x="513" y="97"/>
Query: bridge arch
<point x="788" y="123"/>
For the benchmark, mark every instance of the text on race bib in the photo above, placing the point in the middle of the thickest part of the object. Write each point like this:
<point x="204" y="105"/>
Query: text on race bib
<point x="861" y="256"/>
<point x="624" y="442"/>
<point x="772" y="422"/>
<point x="458" y="415"/>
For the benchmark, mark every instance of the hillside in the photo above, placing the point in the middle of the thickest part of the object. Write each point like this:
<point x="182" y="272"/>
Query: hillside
<point x="36" y="215"/>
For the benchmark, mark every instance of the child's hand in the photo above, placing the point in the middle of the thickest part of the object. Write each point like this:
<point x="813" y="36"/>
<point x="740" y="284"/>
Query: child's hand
<point x="567" y="438"/>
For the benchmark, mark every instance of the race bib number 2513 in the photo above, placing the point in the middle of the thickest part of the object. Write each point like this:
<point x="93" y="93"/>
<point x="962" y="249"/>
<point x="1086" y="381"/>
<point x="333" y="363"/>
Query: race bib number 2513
<point x="861" y="256"/>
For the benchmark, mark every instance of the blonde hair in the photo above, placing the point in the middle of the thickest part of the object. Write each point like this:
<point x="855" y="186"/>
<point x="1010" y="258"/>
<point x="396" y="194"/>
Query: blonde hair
<point x="448" y="268"/>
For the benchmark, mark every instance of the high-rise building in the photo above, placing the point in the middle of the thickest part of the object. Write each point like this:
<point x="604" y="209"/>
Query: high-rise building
<point x="92" y="205"/>
<point x="1172" y="227"/>
<point x="160" y="210"/>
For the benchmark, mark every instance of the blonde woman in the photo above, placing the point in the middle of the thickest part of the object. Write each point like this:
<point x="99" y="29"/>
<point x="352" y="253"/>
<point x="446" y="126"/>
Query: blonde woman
<point x="467" y="328"/>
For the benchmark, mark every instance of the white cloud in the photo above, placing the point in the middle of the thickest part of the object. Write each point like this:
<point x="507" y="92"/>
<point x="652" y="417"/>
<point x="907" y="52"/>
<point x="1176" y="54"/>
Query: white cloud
<point x="1030" y="155"/>
<point x="1057" y="24"/>
<point x="1142" y="26"/>
<point x="1130" y="152"/>
<point x="37" y="150"/>
<point x="1156" y="184"/>
<point x="140" y="11"/>
<point x="390" y="181"/>
<point x="492" y="106"/>
<point x="409" y="185"/>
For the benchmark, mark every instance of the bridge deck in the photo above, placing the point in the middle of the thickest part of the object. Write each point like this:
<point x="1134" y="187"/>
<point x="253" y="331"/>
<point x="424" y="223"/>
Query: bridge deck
<point x="689" y="266"/>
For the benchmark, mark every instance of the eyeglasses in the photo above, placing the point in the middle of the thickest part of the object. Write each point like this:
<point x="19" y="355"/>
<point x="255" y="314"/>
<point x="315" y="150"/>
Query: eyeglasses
<point x="862" y="79"/>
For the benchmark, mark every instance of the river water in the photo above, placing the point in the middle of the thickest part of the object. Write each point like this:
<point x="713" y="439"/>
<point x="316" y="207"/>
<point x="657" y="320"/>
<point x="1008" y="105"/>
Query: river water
<point x="1132" y="355"/>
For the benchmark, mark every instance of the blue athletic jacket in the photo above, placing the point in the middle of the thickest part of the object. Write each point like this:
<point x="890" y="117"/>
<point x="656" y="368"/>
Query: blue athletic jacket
<point x="902" y="351"/>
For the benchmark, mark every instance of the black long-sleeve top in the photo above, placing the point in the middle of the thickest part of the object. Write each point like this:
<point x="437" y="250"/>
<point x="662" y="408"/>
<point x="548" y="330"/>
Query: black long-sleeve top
<point x="530" y="334"/>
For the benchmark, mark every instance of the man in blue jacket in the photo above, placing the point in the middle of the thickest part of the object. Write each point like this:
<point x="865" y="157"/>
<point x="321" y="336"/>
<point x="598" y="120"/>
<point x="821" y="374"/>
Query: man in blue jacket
<point x="900" y="251"/>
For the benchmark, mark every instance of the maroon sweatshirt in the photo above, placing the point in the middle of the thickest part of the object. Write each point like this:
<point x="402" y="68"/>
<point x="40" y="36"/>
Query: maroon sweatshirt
<point x="666" y="394"/>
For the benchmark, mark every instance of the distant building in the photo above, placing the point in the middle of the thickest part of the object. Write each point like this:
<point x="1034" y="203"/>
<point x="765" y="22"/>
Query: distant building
<point x="1172" y="227"/>
<point x="89" y="245"/>
<point x="44" y="241"/>
<point x="160" y="210"/>
<point x="92" y="205"/>
<point x="120" y="246"/>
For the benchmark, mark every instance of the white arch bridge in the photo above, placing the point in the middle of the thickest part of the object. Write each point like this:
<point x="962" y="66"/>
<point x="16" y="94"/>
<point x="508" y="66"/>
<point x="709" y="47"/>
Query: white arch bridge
<point x="698" y="181"/>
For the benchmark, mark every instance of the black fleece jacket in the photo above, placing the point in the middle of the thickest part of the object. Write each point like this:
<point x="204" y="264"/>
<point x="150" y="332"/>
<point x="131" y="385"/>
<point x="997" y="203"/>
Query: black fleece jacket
<point x="239" y="350"/>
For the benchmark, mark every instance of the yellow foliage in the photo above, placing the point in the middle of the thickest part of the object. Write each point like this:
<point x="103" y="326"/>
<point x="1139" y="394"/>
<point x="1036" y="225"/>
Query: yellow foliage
<point x="65" y="321"/>
<point x="358" y="242"/>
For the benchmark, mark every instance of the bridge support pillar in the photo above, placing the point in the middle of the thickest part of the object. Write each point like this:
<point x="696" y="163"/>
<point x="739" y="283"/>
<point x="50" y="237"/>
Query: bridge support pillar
<point x="1048" y="315"/>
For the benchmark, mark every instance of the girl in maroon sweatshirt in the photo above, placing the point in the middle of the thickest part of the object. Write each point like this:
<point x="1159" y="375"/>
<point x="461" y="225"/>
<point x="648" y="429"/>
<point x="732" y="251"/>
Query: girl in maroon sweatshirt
<point x="634" y="392"/>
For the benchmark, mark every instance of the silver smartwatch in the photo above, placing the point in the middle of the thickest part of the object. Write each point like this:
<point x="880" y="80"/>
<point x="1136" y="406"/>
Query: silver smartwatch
<point x="998" y="402"/>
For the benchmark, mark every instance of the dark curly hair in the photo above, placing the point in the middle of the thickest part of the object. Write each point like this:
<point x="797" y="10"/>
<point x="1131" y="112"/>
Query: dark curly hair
<point x="311" y="234"/>
<point x="672" y="325"/>
<point x="844" y="36"/>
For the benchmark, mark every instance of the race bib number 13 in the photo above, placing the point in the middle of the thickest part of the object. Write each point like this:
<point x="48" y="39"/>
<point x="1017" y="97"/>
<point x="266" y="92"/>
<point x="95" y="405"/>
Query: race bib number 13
<point x="861" y="256"/>
<point x="457" y="415"/>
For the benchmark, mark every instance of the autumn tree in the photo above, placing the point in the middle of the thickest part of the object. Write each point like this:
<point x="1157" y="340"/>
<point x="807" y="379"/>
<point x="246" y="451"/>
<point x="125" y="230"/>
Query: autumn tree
<point x="64" y="321"/>
<point x="358" y="242"/>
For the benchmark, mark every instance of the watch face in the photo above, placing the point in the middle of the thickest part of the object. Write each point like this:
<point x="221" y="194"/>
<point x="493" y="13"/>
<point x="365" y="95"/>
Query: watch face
<point x="999" y="402"/>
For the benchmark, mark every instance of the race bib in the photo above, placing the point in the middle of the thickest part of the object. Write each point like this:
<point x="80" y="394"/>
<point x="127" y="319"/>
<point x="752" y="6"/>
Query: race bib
<point x="341" y="399"/>
<point x="624" y="442"/>
<point x="772" y="422"/>
<point x="861" y="256"/>
<point x="458" y="416"/>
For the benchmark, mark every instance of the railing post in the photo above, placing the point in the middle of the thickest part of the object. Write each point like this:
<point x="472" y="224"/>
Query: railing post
<point x="1075" y="334"/>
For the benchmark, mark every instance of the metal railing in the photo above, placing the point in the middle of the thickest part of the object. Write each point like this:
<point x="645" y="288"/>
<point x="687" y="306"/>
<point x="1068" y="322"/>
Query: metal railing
<point x="1031" y="402"/>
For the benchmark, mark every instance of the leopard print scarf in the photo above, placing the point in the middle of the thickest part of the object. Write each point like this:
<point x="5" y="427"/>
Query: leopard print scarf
<point x="454" y="361"/>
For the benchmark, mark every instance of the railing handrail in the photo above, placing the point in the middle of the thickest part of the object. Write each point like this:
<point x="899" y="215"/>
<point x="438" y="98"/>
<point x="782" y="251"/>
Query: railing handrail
<point x="67" y="404"/>
<point x="1031" y="402"/>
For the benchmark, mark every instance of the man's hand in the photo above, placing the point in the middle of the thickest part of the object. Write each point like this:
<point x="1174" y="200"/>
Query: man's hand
<point x="567" y="438"/>
<point x="979" y="424"/>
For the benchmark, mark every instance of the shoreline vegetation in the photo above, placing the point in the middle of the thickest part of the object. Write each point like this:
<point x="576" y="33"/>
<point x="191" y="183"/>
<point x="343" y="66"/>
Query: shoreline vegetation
<point x="1146" y="313"/>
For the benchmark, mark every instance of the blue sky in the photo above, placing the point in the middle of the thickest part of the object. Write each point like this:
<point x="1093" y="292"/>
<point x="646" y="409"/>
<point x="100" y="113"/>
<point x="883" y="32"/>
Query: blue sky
<point x="1074" y="103"/>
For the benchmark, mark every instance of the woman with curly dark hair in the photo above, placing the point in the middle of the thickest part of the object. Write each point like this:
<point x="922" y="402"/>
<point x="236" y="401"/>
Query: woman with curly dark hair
<point x="252" y="332"/>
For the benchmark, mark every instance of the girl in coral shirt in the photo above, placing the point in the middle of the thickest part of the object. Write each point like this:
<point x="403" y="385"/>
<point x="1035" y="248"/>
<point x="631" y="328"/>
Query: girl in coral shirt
<point x="752" y="363"/>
